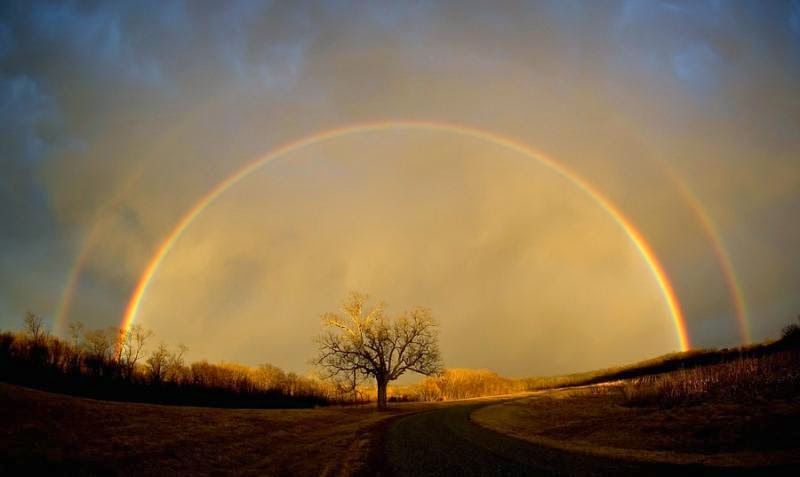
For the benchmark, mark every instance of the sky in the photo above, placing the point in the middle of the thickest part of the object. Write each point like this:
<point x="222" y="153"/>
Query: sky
<point x="116" y="118"/>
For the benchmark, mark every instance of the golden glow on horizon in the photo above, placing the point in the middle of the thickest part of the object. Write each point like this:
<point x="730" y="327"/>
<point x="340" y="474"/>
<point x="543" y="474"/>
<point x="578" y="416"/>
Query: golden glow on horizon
<point x="634" y="235"/>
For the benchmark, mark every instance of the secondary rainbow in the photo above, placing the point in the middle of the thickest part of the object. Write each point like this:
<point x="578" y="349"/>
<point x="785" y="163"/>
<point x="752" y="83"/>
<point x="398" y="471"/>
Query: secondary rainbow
<point x="89" y="241"/>
<point x="722" y="256"/>
<point x="68" y="294"/>
<point x="634" y="235"/>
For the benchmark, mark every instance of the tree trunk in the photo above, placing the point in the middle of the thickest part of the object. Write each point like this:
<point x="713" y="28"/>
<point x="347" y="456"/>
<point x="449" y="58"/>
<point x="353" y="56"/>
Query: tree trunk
<point x="382" y="383"/>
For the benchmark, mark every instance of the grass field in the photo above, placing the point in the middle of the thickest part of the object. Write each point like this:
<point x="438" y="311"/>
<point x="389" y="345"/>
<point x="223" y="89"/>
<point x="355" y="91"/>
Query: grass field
<point x="744" y="412"/>
<point x="596" y="422"/>
<point x="41" y="431"/>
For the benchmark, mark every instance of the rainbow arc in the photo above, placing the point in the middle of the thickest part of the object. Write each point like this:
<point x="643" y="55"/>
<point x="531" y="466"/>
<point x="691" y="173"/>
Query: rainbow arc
<point x="635" y="236"/>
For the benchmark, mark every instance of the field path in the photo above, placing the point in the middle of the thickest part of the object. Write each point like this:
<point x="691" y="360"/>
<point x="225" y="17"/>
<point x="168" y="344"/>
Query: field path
<point x="446" y="442"/>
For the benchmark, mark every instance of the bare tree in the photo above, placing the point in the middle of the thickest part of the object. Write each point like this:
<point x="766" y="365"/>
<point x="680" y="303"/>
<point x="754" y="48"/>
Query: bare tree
<point x="99" y="345"/>
<point x="157" y="363"/>
<point x="367" y="344"/>
<point x="270" y="378"/>
<point x="75" y="332"/>
<point x="130" y="345"/>
<point x="176" y="365"/>
<point x="34" y="326"/>
<point x="37" y="344"/>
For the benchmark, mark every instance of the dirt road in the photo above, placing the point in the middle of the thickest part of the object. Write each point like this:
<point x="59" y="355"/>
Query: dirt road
<point x="446" y="442"/>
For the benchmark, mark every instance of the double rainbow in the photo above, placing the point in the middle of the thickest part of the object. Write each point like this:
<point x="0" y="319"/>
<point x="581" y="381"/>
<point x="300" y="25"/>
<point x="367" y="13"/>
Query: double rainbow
<point x="630" y="230"/>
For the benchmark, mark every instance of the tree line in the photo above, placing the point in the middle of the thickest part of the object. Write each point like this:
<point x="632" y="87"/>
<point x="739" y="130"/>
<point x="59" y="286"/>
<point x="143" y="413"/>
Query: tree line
<point x="115" y="364"/>
<point x="458" y="383"/>
<point x="126" y="365"/>
<point x="360" y="344"/>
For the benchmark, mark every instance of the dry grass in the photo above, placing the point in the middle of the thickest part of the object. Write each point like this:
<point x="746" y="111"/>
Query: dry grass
<point x="748" y="379"/>
<point x="741" y="410"/>
<point x="43" y="432"/>
<point x="744" y="412"/>
<point x="594" y="420"/>
<point x="661" y="364"/>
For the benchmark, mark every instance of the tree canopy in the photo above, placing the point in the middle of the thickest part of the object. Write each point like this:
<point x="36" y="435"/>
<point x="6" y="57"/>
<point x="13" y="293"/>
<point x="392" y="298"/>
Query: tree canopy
<point x="363" y="343"/>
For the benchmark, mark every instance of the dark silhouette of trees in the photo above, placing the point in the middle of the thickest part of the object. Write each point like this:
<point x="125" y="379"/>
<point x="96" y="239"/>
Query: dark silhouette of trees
<point x="157" y="364"/>
<point x="75" y="332"/>
<point x="115" y="364"/>
<point x="35" y="327"/>
<point x="365" y="343"/>
<point x="98" y="346"/>
<point x="790" y="335"/>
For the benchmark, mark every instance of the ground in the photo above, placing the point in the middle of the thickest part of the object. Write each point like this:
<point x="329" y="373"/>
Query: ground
<point x="595" y="420"/>
<point x="577" y="432"/>
<point x="44" y="431"/>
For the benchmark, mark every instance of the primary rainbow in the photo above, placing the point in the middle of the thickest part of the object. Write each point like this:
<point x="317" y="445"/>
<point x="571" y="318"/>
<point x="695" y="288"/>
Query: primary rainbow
<point x="635" y="236"/>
